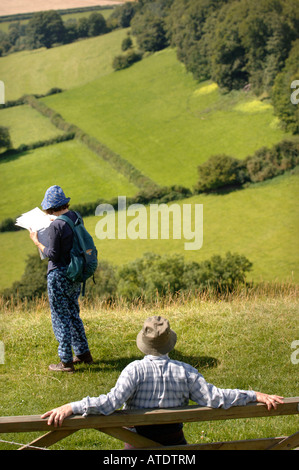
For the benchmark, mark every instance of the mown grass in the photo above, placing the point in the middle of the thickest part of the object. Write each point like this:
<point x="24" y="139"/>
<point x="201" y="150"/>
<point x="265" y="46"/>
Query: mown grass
<point x="241" y="342"/>
<point x="154" y="115"/>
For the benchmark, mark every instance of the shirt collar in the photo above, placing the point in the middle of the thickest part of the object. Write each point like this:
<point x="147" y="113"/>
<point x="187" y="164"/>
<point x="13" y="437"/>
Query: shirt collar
<point x="157" y="358"/>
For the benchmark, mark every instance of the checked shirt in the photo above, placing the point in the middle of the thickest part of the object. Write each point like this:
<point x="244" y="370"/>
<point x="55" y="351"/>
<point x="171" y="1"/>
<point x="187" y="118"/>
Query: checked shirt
<point x="160" y="382"/>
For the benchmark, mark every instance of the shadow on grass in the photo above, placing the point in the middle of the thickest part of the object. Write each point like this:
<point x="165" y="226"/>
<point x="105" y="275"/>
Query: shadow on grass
<point x="100" y="365"/>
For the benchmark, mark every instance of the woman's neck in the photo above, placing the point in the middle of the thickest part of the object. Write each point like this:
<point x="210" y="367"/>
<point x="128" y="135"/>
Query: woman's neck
<point x="63" y="211"/>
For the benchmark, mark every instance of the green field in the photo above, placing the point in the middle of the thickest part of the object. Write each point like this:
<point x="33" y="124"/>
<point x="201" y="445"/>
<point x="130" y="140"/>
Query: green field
<point x="4" y="25"/>
<point x="26" y="125"/>
<point x="244" y="343"/>
<point x="260" y="222"/>
<point x="161" y="120"/>
<point x="83" y="175"/>
<point x="68" y="66"/>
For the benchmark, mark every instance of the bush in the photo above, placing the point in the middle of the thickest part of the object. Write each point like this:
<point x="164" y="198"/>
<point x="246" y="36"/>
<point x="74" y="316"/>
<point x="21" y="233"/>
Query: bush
<point x="124" y="61"/>
<point x="220" y="171"/>
<point x="105" y="285"/>
<point x="217" y="274"/>
<point x="32" y="284"/>
<point x="267" y="163"/>
<point x="8" y="225"/>
<point x="154" y="275"/>
<point x="126" y="44"/>
<point x="5" y="142"/>
<point x="143" y="279"/>
<point x="150" y="276"/>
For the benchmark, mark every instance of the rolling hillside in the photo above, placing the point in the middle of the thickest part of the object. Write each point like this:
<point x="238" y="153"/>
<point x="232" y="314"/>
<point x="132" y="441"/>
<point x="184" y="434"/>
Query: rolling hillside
<point x="157" y="117"/>
<point x="162" y="121"/>
<point x="65" y="67"/>
<point x="260" y="222"/>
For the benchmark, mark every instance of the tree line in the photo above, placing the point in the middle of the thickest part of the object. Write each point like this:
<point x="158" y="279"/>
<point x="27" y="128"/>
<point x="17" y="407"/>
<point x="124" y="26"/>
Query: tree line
<point x="235" y="43"/>
<point x="47" y="29"/>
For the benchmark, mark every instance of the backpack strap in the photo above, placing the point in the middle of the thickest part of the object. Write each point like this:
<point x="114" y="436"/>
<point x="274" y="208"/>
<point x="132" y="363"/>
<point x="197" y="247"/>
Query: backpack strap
<point x="68" y="221"/>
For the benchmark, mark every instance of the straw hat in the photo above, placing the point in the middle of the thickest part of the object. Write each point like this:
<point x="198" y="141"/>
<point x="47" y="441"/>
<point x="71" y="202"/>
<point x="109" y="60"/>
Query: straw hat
<point x="156" y="337"/>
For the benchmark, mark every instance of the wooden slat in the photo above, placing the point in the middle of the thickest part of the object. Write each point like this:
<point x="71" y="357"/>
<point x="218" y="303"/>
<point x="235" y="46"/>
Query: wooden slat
<point x="248" y="444"/>
<point x="130" y="437"/>
<point x="288" y="443"/>
<point x="147" y="417"/>
<point x="48" y="439"/>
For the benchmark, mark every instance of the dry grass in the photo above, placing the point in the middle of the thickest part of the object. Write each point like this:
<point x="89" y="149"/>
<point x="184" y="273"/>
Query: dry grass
<point x="241" y="341"/>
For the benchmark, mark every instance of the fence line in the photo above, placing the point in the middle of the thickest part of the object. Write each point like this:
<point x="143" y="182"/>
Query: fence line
<point x="117" y="425"/>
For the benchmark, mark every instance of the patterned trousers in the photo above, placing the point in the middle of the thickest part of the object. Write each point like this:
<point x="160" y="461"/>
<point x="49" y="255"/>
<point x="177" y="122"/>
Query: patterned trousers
<point x="67" y="325"/>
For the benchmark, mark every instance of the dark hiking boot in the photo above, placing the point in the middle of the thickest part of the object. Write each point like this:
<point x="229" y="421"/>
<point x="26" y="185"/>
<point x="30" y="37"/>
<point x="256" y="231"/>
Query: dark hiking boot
<point x="85" y="358"/>
<point x="62" y="367"/>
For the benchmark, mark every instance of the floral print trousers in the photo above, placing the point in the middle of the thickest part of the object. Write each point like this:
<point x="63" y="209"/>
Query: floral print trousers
<point x="67" y="325"/>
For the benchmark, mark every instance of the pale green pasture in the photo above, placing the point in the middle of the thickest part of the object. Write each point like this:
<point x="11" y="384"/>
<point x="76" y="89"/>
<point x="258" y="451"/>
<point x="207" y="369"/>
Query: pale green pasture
<point x="66" y="66"/>
<point x="26" y="125"/>
<point x="83" y="175"/>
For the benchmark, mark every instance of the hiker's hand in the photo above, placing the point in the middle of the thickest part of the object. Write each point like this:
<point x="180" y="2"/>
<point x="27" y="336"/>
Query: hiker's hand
<point x="33" y="236"/>
<point x="57" y="415"/>
<point x="269" y="400"/>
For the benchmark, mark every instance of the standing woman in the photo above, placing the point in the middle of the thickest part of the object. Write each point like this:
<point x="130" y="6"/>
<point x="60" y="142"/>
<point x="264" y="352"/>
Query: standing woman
<point x="63" y="294"/>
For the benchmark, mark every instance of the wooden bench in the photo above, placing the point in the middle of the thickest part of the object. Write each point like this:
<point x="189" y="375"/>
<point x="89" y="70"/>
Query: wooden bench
<point x="115" y="425"/>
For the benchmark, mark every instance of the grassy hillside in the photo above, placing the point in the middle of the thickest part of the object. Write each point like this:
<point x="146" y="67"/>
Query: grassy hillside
<point x="66" y="66"/>
<point x="26" y="125"/>
<point x="83" y="175"/>
<point x="160" y="119"/>
<point x="220" y="339"/>
<point x="260" y="222"/>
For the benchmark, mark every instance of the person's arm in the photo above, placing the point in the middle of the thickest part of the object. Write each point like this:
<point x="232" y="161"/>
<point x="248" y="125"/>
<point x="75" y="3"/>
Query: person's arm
<point x="52" y="251"/>
<point x="206" y="394"/>
<point x="103" y="404"/>
<point x="33" y="236"/>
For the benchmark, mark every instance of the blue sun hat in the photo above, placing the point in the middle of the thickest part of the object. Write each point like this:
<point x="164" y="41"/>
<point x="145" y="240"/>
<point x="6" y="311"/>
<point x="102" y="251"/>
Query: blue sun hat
<point x="54" y="197"/>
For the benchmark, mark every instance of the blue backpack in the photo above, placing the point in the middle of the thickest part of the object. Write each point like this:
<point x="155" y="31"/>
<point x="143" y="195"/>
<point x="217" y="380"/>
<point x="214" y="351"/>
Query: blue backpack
<point x="84" y="260"/>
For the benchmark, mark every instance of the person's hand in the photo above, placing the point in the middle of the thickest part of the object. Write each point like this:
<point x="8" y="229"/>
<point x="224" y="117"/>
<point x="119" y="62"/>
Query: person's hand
<point x="33" y="236"/>
<point x="57" y="415"/>
<point x="269" y="400"/>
